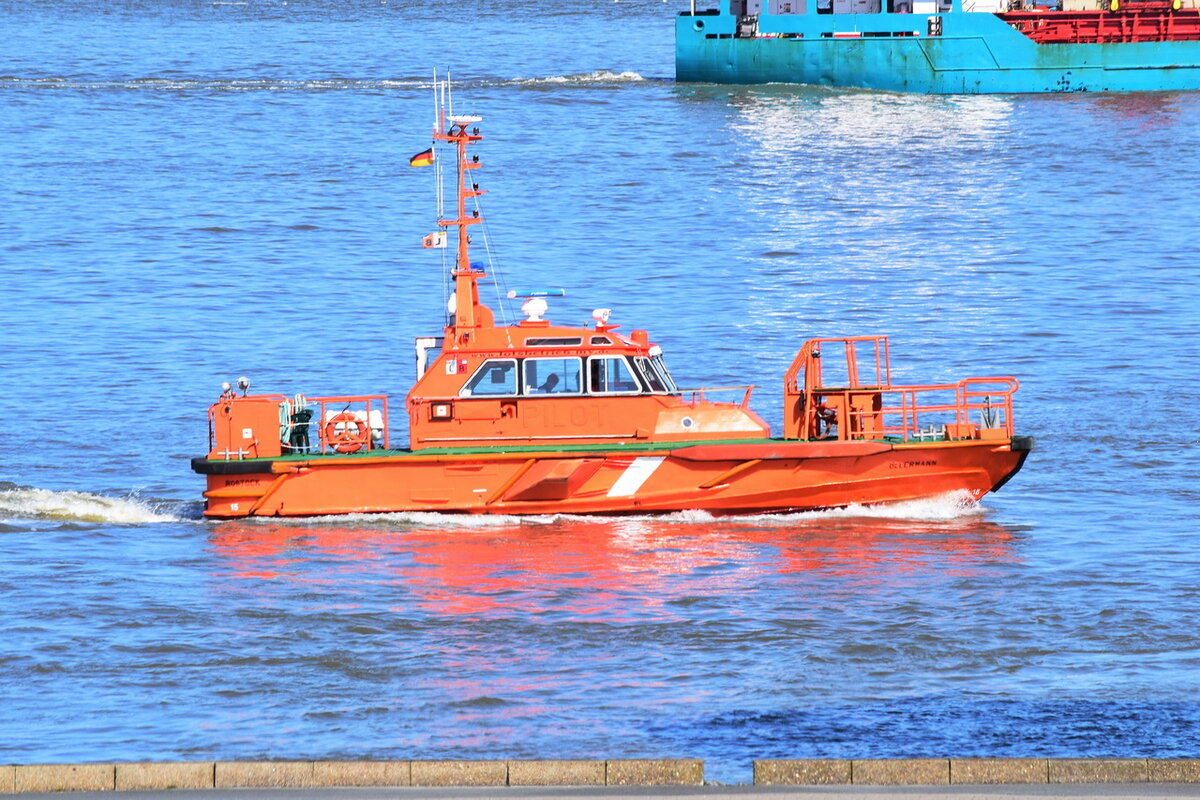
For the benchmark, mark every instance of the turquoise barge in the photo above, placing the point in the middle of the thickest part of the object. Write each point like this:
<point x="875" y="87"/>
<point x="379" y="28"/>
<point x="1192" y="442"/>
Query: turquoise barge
<point x="940" y="47"/>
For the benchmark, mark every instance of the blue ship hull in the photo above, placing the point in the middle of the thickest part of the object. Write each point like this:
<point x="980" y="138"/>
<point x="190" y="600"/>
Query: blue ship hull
<point x="975" y="53"/>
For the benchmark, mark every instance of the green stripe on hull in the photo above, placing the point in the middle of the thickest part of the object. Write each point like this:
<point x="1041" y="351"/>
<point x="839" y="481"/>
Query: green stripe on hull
<point x="614" y="448"/>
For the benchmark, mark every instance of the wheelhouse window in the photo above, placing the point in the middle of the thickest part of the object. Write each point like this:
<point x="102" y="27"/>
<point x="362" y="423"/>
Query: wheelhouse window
<point x="654" y="374"/>
<point x="660" y="367"/>
<point x="649" y="375"/>
<point x="562" y="341"/>
<point x="611" y="375"/>
<point x="496" y="378"/>
<point x="553" y="375"/>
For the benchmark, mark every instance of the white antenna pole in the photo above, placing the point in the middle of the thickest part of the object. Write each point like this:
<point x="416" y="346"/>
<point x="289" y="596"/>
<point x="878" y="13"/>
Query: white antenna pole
<point x="441" y="191"/>
<point x="437" y="162"/>
<point x="442" y="103"/>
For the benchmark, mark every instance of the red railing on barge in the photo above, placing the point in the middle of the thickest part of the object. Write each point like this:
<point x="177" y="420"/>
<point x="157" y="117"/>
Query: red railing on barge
<point x="1130" y="22"/>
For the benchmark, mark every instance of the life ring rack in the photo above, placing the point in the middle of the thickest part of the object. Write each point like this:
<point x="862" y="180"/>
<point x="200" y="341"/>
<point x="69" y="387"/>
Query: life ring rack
<point x="346" y="432"/>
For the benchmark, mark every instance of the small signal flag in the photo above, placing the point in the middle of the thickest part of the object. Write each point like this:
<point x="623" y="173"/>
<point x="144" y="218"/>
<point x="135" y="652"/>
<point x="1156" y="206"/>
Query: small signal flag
<point x="432" y="240"/>
<point x="422" y="159"/>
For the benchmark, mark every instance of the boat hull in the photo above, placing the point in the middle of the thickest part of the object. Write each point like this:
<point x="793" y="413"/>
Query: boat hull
<point x="720" y="478"/>
<point x="976" y="53"/>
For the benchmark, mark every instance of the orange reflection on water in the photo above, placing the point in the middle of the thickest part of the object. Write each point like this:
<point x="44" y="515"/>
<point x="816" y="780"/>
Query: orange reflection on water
<point x="588" y="567"/>
<point x="498" y="625"/>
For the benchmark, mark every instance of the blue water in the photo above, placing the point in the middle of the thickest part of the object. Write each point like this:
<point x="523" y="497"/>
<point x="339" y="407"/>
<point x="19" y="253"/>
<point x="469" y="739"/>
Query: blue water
<point x="190" y="191"/>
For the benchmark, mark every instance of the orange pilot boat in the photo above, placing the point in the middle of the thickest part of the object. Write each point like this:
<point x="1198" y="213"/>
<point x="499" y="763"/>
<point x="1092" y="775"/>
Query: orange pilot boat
<point x="537" y="418"/>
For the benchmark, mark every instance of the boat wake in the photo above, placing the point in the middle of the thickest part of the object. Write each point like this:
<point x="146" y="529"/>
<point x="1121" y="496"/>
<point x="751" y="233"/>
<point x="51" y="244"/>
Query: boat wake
<point x="944" y="508"/>
<point x="188" y="84"/>
<point x="181" y="83"/>
<point x="399" y="519"/>
<point x="45" y="504"/>
<point x="600" y="77"/>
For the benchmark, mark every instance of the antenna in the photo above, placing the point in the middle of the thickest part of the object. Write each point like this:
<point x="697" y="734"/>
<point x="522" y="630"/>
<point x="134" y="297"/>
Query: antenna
<point x="437" y="108"/>
<point x="442" y="104"/>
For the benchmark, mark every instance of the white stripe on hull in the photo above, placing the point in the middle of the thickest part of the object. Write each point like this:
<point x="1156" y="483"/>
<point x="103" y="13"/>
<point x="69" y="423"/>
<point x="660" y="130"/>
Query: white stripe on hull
<point x="634" y="476"/>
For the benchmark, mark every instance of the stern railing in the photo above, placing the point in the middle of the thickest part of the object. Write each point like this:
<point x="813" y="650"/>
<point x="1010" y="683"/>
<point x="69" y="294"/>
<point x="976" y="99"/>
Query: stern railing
<point x="271" y="425"/>
<point x="973" y="408"/>
<point x="350" y="423"/>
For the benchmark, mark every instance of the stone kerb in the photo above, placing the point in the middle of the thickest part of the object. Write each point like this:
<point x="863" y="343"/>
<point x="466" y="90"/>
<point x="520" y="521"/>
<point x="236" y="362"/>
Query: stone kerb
<point x="557" y="773"/>
<point x="801" y="772"/>
<point x="362" y="773"/>
<point x="64" y="778"/>
<point x="263" y="774"/>
<point x="900" y="771"/>
<point x="1174" y="770"/>
<point x="1099" y="770"/>
<point x="655" y="772"/>
<point x="587" y="772"/>
<point x="459" y="773"/>
<point x="999" y="770"/>
<point x="165" y="775"/>
<point x="974" y="771"/>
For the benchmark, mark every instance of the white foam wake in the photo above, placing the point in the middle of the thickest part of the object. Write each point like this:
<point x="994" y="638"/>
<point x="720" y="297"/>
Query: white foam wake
<point x="600" y="77"/>
<point x="407" y="519"/>
<point x="942" y="508"/>
<point x="215" y="84"/>
<point x="77" y="507"/>
<point x="597" y="76"/>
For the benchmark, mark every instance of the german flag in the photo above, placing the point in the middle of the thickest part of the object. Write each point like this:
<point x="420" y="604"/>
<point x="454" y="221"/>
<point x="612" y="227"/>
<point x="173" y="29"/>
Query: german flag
<point x="422" y="159"/>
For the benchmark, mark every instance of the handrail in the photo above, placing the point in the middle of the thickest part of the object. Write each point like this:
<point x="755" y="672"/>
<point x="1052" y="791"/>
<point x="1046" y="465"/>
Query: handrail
<point x="970" y="408"/>
<point x="271" y="425"/>
<point x="868" y="406"/>
<point x="1130" y="22"/>
<point x="698" y="394"/>
<point x="347" y="401"/>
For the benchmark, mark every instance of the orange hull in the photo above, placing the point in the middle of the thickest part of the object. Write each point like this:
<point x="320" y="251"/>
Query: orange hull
<point x="722" y="478"/>
<point x="537" y="418"/>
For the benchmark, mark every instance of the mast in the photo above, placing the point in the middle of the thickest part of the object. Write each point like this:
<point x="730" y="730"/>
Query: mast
<point x="468" y="312"/>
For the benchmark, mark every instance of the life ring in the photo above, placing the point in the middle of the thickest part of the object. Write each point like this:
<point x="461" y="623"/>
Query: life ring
<point x="346" y="433"/>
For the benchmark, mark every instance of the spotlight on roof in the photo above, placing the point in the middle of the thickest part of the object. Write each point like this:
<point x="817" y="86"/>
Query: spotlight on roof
<point x="243" y="383"/>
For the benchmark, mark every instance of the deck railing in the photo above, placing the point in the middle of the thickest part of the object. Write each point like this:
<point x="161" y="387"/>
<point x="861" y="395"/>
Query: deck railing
<point x="698" y="396"/>
<point x="1131" y="22"/>
<point x="974" y="408"/>
<point x="345" y="424"/>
